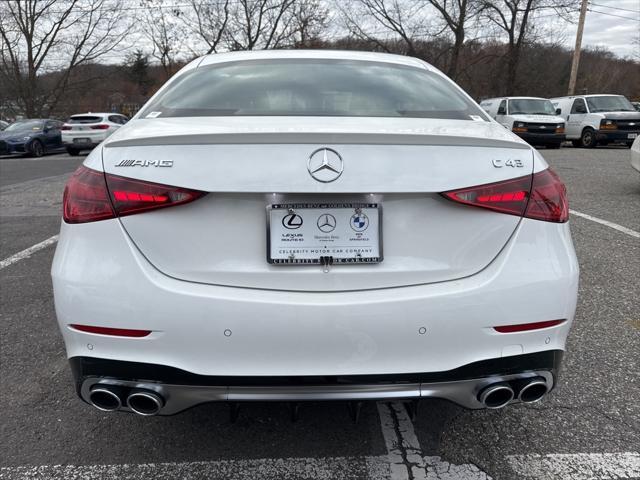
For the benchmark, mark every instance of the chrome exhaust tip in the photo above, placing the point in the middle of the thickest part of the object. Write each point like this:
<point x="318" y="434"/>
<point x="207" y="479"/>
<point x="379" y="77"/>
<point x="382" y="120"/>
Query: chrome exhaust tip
<point x="145" y="402"/>
<point x="533" y="391"/>
<point x="105" y="398"/>
<point x="496" y="395"/>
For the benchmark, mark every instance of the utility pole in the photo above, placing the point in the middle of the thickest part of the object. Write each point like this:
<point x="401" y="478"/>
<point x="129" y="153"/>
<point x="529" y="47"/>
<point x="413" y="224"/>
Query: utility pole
<point x="576" y="52"/>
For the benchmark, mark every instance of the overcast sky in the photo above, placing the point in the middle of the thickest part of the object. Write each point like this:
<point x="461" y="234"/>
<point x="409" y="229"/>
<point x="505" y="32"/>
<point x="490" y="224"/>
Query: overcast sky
<point x="607" y="29"/>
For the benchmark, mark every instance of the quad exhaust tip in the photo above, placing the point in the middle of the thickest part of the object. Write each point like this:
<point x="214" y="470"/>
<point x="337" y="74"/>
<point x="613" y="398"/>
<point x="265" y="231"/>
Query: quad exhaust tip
<point x="105" y="398"/>
<point x="497" y="395"/>
<point x="533" y="391"/>
<point x="145" y="402"/>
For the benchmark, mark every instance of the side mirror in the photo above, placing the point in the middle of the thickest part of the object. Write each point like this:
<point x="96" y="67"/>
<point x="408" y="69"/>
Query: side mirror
<point x="558" y="111"/>
<point x="502" y="111"/>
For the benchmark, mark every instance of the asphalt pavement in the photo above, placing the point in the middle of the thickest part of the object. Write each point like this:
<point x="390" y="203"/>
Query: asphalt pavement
<point x="589" y="427"/>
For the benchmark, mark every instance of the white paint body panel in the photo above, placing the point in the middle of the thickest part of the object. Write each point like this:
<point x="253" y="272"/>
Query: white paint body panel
<point x="303" y="333"/>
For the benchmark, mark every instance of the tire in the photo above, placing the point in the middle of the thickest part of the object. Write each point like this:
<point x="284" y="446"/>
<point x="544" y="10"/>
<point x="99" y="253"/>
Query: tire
<point x="629" y="144"/>
<point x="73" y="152"/>
<point x="575" y="143"/>
<point x="553" y="146"/>
<point x="588" y="138"/>
<point x="36" y="149"/>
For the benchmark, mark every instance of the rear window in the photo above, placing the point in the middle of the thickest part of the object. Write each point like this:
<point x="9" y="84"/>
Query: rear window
<point x="85" y="119"/>
<point x="303" y="87"/>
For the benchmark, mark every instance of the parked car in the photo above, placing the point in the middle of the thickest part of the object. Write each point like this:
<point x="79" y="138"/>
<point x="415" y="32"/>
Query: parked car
<point x="85" y="131"/>
<point x="3" y="125"/>
<point x="227" y="243"/>
<point x="635" y="154"/>
<point x="531" y="118"/>
<point x="33" y="137"/>
<point x="598" y="119"/>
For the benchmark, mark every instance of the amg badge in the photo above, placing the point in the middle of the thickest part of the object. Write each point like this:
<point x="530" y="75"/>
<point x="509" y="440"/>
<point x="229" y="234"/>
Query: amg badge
<point x="145" y="163"/>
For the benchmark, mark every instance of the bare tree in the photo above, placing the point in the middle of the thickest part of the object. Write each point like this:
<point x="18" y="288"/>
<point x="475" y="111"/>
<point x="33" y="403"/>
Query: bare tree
<point x="161" y="27"/>
<point x="310" y="20"/>
<point x="456" y="15"/>
<point x="515" y="19"/>
<point x="371" y="19"/>
<point x="260" y="24"/>
<point x="42" y="35"/>
<point x="208" y="21"/>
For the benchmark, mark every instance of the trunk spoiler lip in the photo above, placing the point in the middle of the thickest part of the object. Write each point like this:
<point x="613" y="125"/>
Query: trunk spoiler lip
<point x="325" y="138"/>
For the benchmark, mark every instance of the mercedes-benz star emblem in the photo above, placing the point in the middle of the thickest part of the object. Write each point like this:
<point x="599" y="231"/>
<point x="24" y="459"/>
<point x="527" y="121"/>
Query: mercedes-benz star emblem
<point x="325" y="165"/>
<point x="326" y="223"/>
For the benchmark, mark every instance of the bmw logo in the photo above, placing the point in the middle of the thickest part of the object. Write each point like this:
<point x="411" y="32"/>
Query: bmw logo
<point x="359" y="222"/>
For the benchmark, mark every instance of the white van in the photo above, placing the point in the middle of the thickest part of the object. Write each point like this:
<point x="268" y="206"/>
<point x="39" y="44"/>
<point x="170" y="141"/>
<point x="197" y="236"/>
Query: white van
<point x="598" y="119"/>
<point x="534" y="119"/>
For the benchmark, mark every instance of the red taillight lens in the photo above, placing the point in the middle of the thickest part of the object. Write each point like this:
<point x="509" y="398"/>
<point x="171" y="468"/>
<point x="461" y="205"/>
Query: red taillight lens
<point x="102" y="126"/>
<point x="506" y="197"/>
<point x="135" y="196"/>
<point x="525" y="327"/>
<point x="86" y="198"/>
<point x="541" y="197"/>
<point x="65" y="127"/>
<point x="117" y="332"/>
<point x="90" y="196"/>
<point x="548" y="200"/>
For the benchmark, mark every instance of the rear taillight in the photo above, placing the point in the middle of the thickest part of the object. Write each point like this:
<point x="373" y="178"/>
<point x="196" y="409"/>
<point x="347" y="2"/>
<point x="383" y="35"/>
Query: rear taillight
<point x="116" y="332"/>
<point x="541" y="197"/>
<point x="102" y="126"/>
<point x="65" y="127"/>
<point x="91" y="195"/>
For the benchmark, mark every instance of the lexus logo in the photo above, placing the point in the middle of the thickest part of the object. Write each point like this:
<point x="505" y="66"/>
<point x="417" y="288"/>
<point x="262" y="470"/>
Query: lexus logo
<point x="325" y="165"/>
<point x="326" y="223"/>
<point x="292" y="221"/>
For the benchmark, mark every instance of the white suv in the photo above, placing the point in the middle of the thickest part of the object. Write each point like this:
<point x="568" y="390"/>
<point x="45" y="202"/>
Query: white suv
<point x="598" y="119"/>
<point x="85" y="131"/>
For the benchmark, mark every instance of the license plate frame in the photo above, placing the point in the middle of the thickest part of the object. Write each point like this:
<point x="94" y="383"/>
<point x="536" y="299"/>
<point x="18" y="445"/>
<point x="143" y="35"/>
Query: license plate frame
<point x="360" y="241"/>
<point x="82" y="140"/>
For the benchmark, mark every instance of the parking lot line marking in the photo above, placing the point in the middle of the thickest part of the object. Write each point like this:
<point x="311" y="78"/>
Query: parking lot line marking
<point x="609" y="224"/>
<point x="27" y="252"/>
<point x="577" y="466"/>
<point x="374" y="468"/>
<point x="405" y="454"/>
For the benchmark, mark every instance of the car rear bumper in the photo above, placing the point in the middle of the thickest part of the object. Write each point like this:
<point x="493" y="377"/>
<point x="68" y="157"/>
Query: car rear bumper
<point x="101" y="279"/>
<point x="75" y="139"/>
<point x="180" y="390"/>
<point x="542" y="138"/>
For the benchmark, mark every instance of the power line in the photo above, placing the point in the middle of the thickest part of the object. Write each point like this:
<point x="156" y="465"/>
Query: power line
<point x="615" y="8"/>
<point x="614" y="15"/>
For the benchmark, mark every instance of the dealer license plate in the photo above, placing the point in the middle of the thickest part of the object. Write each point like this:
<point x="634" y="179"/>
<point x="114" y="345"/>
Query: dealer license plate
<point x="313" y="233"/>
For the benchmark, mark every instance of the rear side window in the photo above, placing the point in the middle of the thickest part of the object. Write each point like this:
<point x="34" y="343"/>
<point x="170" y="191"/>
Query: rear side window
<point x="84" y="119"/>
<point x="116" y="119"/>
<point x="312" y="87"/>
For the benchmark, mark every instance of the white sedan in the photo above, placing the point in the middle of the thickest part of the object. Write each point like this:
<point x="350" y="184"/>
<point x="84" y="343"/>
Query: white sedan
<point x="85" y="131"/>
<point x="313" y="225"/>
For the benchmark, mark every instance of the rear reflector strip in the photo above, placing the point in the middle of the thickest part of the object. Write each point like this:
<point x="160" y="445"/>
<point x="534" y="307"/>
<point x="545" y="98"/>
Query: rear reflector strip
<point x="524" y="327"/>
<point x="116" y="332"/>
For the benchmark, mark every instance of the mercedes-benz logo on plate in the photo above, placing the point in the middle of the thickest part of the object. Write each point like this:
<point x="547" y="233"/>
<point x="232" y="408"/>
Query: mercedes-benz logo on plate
<point x="325" y="165"/>
<point x="326" y="223"/>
